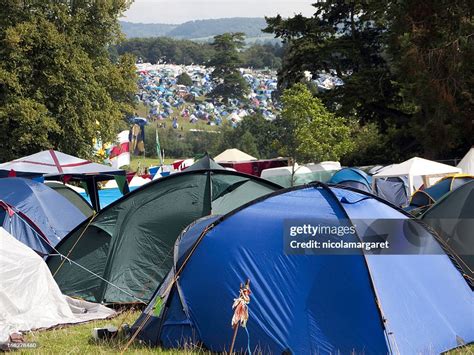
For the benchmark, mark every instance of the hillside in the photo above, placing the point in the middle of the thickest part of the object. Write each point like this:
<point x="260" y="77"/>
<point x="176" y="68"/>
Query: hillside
<point x="141" y="30"/>
<point x="199" y="29"/>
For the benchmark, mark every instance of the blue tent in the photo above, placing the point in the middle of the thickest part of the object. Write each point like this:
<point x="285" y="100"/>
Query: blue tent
<point x="308" y="304"/>
<point x="35" y="214"/>
<point x="352" y="177"/>
<point x="433" y="193"/>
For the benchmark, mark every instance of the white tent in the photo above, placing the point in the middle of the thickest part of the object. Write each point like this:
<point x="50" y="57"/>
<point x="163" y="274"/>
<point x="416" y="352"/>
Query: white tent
<point x="284" y="171"/>
<point x="136" y="181"/>
<point x="53" y="163"/>
<point x="233" y="155"/>
<point x="29" y="296"/>
<point x="324" y="166"/>
<point x="467" y="163"/>
<point x="417" y="167"/>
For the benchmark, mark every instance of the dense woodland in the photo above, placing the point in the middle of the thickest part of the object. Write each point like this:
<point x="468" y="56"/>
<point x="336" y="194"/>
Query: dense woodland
<point x="166" y="49"/>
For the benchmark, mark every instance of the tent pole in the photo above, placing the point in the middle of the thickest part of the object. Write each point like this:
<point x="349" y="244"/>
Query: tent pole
<point x="93" y="193"/>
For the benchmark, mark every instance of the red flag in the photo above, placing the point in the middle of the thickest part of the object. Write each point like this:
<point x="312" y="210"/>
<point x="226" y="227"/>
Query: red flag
<point x="12" y="173"/>
<point x="66" y="178"/>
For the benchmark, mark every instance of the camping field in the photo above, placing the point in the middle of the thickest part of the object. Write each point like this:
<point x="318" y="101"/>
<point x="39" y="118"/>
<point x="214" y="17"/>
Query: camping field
<point x="78" y="340"/>
<point x="142" y="111"/>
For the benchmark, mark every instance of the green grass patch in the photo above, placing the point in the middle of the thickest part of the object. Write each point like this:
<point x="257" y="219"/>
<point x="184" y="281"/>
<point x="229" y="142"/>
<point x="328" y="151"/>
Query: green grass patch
<point x="77" y="339"/>
<point x="142" y="162"/>
<point x="183" y="122"/>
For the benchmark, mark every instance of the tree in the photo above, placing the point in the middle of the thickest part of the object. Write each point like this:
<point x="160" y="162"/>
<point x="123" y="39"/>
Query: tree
<point x="308" y="132"/>
<point x="431" y="46"/>
<point x="58" y="86"/>
<point x="228" y="82"/>
<point x="406" y="65"/>
<point x="262" y="56"/>
<point x="184" y="79"/>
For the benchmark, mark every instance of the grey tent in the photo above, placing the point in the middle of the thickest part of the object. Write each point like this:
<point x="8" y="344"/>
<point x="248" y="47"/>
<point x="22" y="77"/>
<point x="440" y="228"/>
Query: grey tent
<point x="73" y="197"/>
<point x="127" y="248"/>
<point x="453" y="218"/>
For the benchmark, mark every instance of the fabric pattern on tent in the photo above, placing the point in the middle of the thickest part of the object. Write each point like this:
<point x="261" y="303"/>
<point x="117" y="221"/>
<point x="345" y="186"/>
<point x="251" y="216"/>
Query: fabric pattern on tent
<point x="130" y="243"/>
<point x="29" y="297"/>
<point x="352" y="177"/>
<point x="35" y="214"/>
<point x="54" y="165"/>
<point x="453" y="218"/>
<point x="305" y="304"/>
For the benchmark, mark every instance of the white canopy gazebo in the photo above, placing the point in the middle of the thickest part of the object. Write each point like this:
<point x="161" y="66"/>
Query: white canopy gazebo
<point x="417" y="167"/>
<point x="233" y="155"/>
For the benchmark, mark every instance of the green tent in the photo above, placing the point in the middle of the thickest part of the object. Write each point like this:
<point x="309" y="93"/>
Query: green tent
<point x="453" y="218"/>
<point x="73" y="197"/>
<point x="127" y="248"/>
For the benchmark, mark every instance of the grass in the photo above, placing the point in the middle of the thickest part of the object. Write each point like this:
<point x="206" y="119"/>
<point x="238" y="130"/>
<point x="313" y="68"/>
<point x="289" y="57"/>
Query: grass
<point x="146" y="162"/>
<point x="78" y="339"/>
<point x="142" y="111"/>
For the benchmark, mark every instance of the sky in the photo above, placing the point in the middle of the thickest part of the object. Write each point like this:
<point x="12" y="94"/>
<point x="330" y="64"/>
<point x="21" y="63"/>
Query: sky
<point x="179" y="11"/>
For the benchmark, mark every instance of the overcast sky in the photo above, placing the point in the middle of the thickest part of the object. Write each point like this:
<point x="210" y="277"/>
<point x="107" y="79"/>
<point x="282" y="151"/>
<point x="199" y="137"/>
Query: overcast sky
<point x="179" y="11"/>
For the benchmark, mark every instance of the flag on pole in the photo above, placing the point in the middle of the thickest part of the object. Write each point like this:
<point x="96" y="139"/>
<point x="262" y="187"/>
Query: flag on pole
<point x="158" y="148"/>
<point x="120" y="153"/>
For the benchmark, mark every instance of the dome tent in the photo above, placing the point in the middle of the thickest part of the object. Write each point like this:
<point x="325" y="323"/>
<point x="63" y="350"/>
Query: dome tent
<point x="35" y="214"/>
<point x="432" y="194"/>
<point x="453" y="218"/>
<point x="352" y="177"/>
<point x="305" y="304"/>
<point x="75" y="198"/>
<point x="392" y="189"/>
<point x="130" y="242"/>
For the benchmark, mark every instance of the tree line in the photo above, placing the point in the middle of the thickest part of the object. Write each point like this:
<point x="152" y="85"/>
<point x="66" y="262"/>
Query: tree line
<point x="178" y="51"/>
